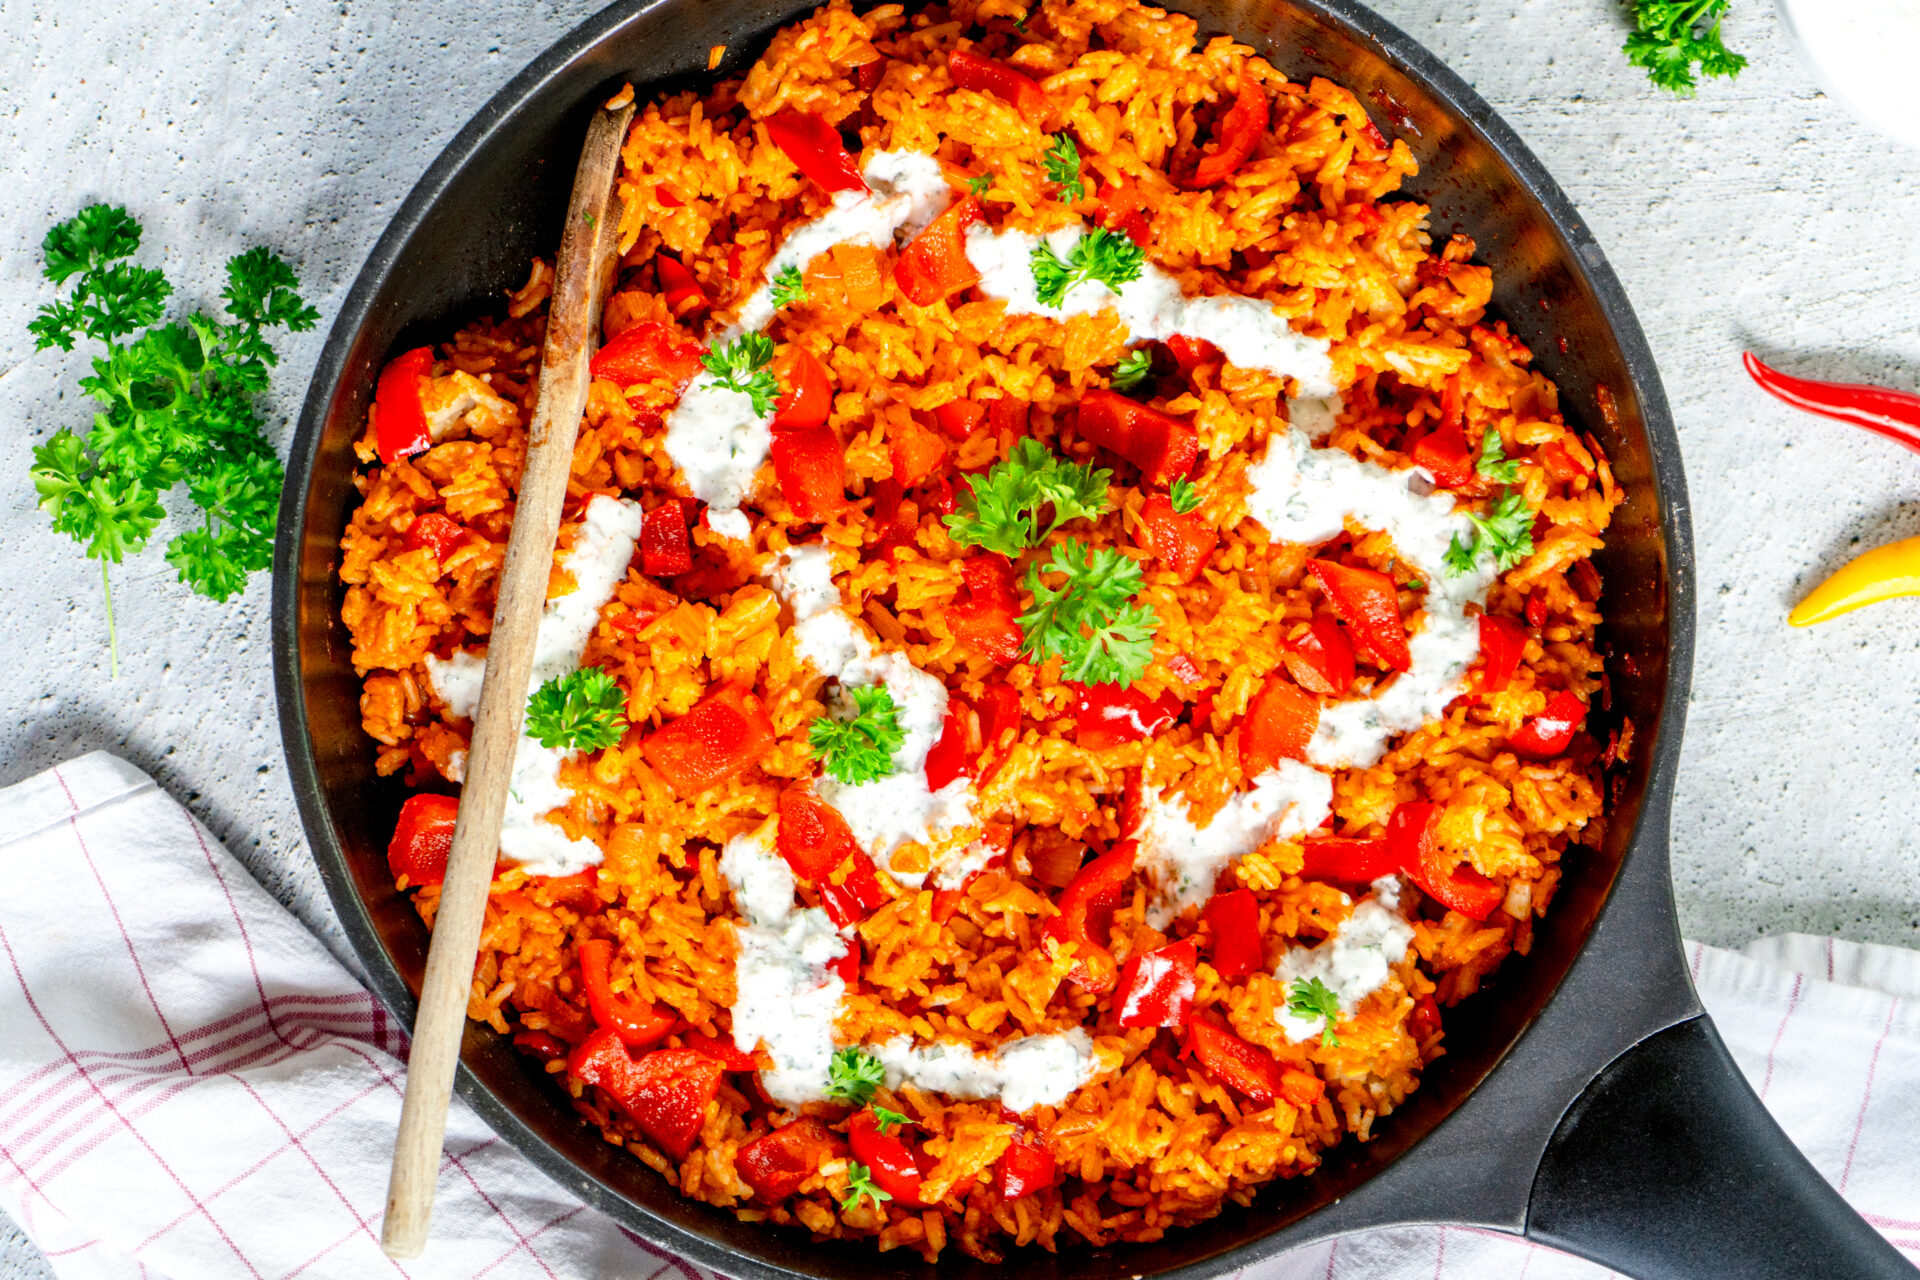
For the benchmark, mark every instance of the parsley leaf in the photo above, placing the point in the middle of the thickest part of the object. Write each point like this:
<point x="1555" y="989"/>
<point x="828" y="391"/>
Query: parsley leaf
<point x="1493" y="462"/>
<point x="859" y="748"/>
<point x="741" y="365"/>
<point x="1001" y="509"/>
<point x="1062" y="162"/>
<point x="979" y="185"/>
<point x="1091" y="620"/>
<point x="789" y="286"/>
<point x="1505" y="532"/>
<point x="1312" y="998"/>
<point x="1104" y="256"/>
<point x="1131" y="371"/>
<point x="585" y="710"/>
<point x="854" y="1075"/>
<point x="884" y="1120"/>
<point x="1185" y="497"/>
<point x="860" y="1183"/>
<point x="1672" y="37"/>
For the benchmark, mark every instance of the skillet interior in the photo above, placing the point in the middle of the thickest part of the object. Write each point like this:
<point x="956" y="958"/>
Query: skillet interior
<point x="495" y="199"/>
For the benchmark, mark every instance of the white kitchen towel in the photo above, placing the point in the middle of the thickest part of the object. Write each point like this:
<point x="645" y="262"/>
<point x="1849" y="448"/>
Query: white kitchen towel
<point x="192" y="1088"/>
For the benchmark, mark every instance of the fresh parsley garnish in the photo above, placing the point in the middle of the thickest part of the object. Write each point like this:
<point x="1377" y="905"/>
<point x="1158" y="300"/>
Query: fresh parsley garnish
<point x="853" y="1075"/>
<point x="1091" y="620"/>
<point x="1131" y="371"/>
<point x="584" y="710"/>
<point x="979" y="185"/>
<point x="177" y="407"/>
<point x="1063" y="166"/>
<point x="1312" y="998"/>
<point x="1671" y="37"/>
<point x="860" y="1183"/>
<point x="789" y="286"/>
<point x="741" y="365"/>
<point x="1505" y="532"/>
<point x="1100" y="255"/>
<point x="1001" y="509"/>
<point x="884" y="1120"/>
<point x="1185" y="497"/>
<point x="1494" y="463"/>
<point x="859" y="748"/>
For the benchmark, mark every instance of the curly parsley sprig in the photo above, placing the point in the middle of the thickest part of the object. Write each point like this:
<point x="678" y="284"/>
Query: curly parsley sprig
<point x="1672" y="37"/>
<point x="860" y="1183"/>
<point x="741" y="365"/>
<point x="1001" y="509"/>
<point x="1312" y="998"/>
<point x="859" y="747"/>
<point x="789" y="286"/>
<point x="1131" y="371"/>
<point x="1493" y="462"/>
<point x="177" y="407"/>
<point x="1103" y="256"/>
<point x="1091" y="620"/>
<point x="1062" y="163"/>
<point x="854" y="1076"/>
<point x="1505" y="532"/>
<point x="584" y="710"/>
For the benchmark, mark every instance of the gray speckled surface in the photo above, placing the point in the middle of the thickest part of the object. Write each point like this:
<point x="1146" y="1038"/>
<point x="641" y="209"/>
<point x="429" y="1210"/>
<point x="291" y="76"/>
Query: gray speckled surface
<point x="1757" y="215"/>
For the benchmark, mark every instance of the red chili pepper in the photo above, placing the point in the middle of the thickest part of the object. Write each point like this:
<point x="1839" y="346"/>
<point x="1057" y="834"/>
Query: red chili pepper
<point x="813" y="837"/>
<point x="1279" y="723"/>
<point x="639" y="1024"/>
<point x="1234" y="918"/>
<point x="1239" y="131"/>
<point x="777" y="1163"/>
<point x="431" y="529"/>
<point x="1445" y="454"/>
<point x="1122" y="209"/>
<point x="1086" y="905"/>
<point x="806" y="390"/>
<point x="666" y="1092"/>
<point x="855" y="898"/>
<point x="725" y="733"/>
<point x="917" y="454"/>
<point x="1348" y="860"/>
<point x="400" y="421"/>
<point x="1502" y="642"/>
<point x="816" y="150"/>
<point x="1369" y="603"/>
<point x="683" y="294"/>
<point x="1161" y="445"/>
<point x="1321" y="661"/>
<point x="961" y="418"/>
<point x="887" y="1157"/>
<point x="935" y="264"/>
<point x="1024" y="1168"/>
<point x="665" y="549"/>
<point x="725" y="1052"/>
<point x="1551" y="732"/>
<point x="666" y="196"/>
<point x="811" y="466"/>
<point x="949" y="758"/>
<point x="422" y="837"/>
<point x="546" y="1047"/>
<point x="647" y="352"/>
<point x="1245" y="1068"/>
<point x="987" y="75"/>
<point x="986" y="618"/>
<point x="1156" y="987"/>
<point x="1457" y="887"/>
<point x="1893" y="414"/>
<point x="1182" y="540"/>
<point x="1107" y="715"/>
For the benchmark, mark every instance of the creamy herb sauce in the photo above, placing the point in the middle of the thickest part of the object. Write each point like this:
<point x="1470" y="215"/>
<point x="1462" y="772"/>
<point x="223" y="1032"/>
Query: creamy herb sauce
<point x="1029" y="1072"/>
<point x="1354" y="963"/>
<point x="1182" y="861"/>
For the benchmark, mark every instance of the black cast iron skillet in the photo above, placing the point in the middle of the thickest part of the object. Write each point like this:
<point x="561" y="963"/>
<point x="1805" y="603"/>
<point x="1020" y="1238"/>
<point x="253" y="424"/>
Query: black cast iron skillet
<point x="1584" y="1099"/>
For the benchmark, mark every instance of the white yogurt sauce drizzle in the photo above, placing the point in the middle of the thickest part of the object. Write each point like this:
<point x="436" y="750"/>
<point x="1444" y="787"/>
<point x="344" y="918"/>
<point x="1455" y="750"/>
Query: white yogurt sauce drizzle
<point x="1354" y="963"/>
<point x="1029" y="1072"/>
<point x="1182" y="861"/>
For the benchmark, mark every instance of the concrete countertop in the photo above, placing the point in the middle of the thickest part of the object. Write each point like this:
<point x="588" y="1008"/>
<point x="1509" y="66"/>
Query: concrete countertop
<point x="1756" y="216"/>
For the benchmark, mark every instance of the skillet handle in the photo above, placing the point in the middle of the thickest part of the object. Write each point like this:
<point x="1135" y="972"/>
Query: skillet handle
<point x="1667" y="1167"/>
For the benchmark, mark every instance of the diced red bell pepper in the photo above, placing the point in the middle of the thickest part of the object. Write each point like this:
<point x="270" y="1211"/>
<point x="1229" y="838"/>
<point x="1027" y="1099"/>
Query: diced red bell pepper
<point x="1279" y="723"/>
<point x="1551" y="732"/>
<point x="1502" y="641"/>
<point x="431" y="529"/>
<point x="1191" y="353"/>
<point x="1446" y="456"/>
<point x="666" y="1092"/>
<point x="856" y="897"/>
<point x="1302" y="1088"/>
<point x="1348" y="859"/>
<point x="812" y="837"/>
<point x="1161" y="445"/>
<point x="1563" y="467"/>
<point x="422" y="838"/>
<point x="1321" y="661"/>
<point x="869" y="74"/>
<point x="917" y="454"/>
<point x="683" y="294"/>
<point x="1245" y="1068"/>
<point x="1123" y="209"/>
<point x="816" y="150"/>
<point x="647" y="352"/>
<point x="935" y="263"/>
<point x="887" y="1157"/>
<point x="1234" y="918"/>
<point x="1458" y="887"/>
<point x="665" y="549"/>
<point x="400" y="420"/>
<point x="806" y="390"/>
<point x="989" y="75"/>
<point x="1024" y="1168"/>
<point x="736" y="262"/>
<point x="725" y="1052"/>
<point x="547" y="1048"/>
<point x="667" y="196"/>
<point x="1235" y="137"/>
<point x="1007" y="416"/>
<point x="811" y="465"/>
<point x="775" y="1164"/>
<point x="1537" y="607"/>
<point x="961" y="418"/>
<point x="638" y="1023"/>
<point x="847" y="964"/>
<point x="999" y="711"/>
<point x="949" y="758"/>
<point x="1156" y="987"/>
<point x="1086" y="905"/>
<point x="726" y="732"/>
<point x="1107" y="715"/>
<point x="1369" y="603"/>
<point x="985" y="619"/>
<point x="1182" y="540"/>
<point x="1425" y="1018"/>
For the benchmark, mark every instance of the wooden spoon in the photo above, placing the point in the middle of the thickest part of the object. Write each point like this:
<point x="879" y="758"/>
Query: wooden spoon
<point x="586" y="249"/>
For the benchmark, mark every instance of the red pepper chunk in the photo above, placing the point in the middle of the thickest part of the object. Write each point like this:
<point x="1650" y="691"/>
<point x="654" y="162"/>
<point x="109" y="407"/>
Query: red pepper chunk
<point x="1458" y="887"/>
<point x="683" y="294"/>
<point x="1085" y="905"/>
<point x="1238" y="133"/>
<point x="985" y="619"/>
<point x="1161" y="445"/>
<point x="1156" y="987"/>
<point x="1551" y="732"/>
<point x="645" y="353"/>
<point x="811" y="465"/>
<point x="1245" y="1068"/>
<point x="816" y="150"/>
<point x="1348" y="860"/>
<point x="917" y="454"/>
<point x="422" y="838"/>
<point x="949" y="758"/>
<point x="1446" y="456"/>
<point x="432" y="529"/>
<point x="1122" y="209"/>
<point x="665" y="1092"/>
<point x="962" y="418"/>
<point x="725" y="1052"/>
<point x="665" y="549"/>
<point x="1234" y="918"/>
<point x="813" y="837"/>
<point x="1280" y="722"/>
<point x="988" y="75"/>
<point x="399" y="419"/>
<point x="776" y="1164"/>
<point x="1182" y="540"/>
<point x="1502" y="642"/>
<point x="1107" y="715"/>
<point x="1024" y="1168"/>
<point x="856" y="897"/>
<point x="935" y="264"/>
<point x="887" y="1157"/>
<point x="638" y="1024"/>
<point x="547" y="1048"/>
<point x="806" y="390"/>
<point x="726" y="732"/>
<point x="1368" y="602"/>
<point x="1302" y="1088"/>
<point x="1321" y="661"/>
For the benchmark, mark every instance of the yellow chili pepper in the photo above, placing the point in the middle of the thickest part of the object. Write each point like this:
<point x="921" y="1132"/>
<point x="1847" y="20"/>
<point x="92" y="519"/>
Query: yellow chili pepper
<point x="1880" y="574"/>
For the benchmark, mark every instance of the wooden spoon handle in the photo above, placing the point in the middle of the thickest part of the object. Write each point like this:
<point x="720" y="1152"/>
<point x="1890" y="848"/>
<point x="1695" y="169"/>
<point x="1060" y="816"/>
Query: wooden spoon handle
<point x="573" y="321"/>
